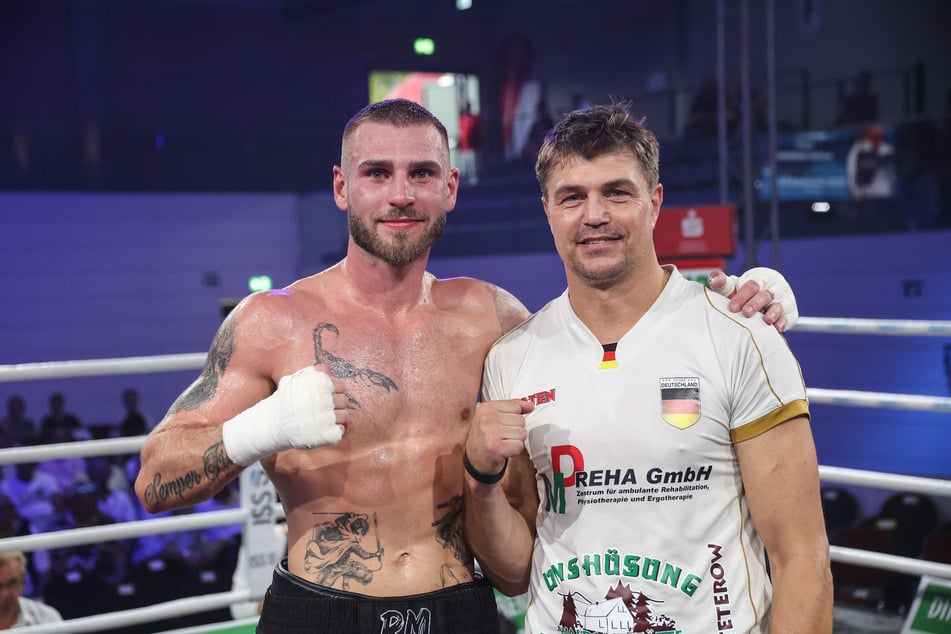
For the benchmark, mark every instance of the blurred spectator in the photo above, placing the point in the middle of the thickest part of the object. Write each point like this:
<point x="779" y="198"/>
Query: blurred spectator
<point x="67" y="471"/>
<point x="218" y="546"/>
<point x="6" y="437"/>
<point x="870" y="165"/>
<point x="540" y="126"/>
<point x="470" y="144"/>
<point x="38" y="499"/>
<point x="113" y="500"/>
<point x="106" y="559"/>
<point x="58" y="418"/>
<point x="861" y="104"/>
<point x="81" y="574"/>
<point x="175" y="547"/>
<point x="134" y="423"/>
<point x="37" y="496"/>
<point x="16" y="423"/>
<point x="11" y="524"/>
<point x="15" y="609"/>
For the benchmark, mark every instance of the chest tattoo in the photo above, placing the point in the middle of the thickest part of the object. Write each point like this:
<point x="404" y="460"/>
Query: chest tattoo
<point x="343" y="369"/>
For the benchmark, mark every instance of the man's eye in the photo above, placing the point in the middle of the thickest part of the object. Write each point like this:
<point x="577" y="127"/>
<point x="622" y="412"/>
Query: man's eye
<point x="570" y="198"/>
<point x="377" y="173"/>
<point x="423" y="173"/>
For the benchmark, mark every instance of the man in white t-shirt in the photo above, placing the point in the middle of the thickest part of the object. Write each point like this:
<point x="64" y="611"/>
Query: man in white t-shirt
<point x="666" y="438"/>
<point x="16" y="610"/>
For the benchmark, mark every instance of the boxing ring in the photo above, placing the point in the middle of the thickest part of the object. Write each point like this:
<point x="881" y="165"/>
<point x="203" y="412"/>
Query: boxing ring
<point x="260" y="511"/>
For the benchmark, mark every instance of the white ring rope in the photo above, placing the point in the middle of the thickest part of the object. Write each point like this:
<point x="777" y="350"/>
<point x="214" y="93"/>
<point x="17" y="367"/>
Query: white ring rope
<point x="895" y="563"/>
<point x="891" y="481"/>
<point x="73" y="449"/>
<point x="147" y="614"/>
<point x="101" y="367"/>
<point x="850" y="326"/>
<point x="123" y="530"/>
<point x="884" y="400"/>
<point x="193" y="521"/>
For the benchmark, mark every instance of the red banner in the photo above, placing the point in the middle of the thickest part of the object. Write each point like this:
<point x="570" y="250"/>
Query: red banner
<point x="696" y="232"/>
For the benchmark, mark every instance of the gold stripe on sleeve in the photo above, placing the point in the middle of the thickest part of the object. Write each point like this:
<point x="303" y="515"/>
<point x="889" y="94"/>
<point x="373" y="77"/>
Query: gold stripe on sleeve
<point x="789" y="411"/>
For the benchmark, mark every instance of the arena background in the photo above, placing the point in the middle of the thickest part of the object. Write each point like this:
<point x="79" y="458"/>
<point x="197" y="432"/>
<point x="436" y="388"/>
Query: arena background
<point x="156" y="155"/>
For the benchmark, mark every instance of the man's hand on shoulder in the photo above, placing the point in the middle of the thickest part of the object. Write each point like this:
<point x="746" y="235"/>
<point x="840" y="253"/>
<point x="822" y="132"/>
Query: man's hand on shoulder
<point x="760" y="289"/>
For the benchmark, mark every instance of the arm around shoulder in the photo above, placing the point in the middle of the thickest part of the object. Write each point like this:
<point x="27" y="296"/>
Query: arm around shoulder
<point x="760" y="289"/>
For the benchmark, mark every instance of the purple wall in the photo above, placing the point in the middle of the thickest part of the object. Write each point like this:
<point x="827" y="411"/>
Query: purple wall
<point x="89" y="276"/>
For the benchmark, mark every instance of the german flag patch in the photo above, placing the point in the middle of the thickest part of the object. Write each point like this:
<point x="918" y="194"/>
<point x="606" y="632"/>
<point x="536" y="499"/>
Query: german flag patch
<point x="680" y="400"/>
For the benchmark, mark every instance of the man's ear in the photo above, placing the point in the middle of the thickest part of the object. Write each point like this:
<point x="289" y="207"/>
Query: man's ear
<point x="340" y="189"/>
<point x="657" y="199"/>
<point x="453" y="186"/>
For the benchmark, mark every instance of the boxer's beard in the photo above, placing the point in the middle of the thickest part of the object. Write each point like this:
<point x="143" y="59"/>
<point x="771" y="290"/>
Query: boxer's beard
<point x="401" y="250"/>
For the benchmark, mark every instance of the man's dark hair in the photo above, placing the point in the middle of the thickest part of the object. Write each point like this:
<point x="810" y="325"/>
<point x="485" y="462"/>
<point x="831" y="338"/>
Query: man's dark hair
<point x="595" y="131"/>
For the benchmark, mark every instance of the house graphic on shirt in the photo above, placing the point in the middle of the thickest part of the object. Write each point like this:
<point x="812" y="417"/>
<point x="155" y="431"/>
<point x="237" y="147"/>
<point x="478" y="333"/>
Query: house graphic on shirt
<point x="622" y="611"/>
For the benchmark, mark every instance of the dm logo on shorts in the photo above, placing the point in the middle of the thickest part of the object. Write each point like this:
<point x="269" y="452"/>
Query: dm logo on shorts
<point x="680" y="400"/>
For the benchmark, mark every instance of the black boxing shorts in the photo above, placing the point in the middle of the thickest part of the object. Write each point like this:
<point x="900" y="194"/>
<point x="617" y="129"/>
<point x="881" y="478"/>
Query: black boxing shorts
<point x="296" y="606"/>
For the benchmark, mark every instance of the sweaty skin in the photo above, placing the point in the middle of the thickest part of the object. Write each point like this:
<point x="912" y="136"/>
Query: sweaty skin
<point x="411" y="396"/>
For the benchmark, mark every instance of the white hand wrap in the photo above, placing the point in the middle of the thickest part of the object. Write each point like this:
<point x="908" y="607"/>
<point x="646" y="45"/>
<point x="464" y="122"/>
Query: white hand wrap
<point x="299" y="415"/>
<point x="768" y="280"/>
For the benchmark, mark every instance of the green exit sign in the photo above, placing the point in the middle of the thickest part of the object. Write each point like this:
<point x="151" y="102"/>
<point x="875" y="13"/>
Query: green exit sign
<point x="259" y="283"/>
<point x="424" y="46"/>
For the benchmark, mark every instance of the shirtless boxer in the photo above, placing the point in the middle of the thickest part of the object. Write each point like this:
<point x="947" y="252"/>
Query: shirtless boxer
<point x="373" y="515"/>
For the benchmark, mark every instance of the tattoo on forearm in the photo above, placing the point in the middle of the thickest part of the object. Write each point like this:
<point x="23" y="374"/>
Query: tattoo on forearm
<point x="338" y="548"/>
<point x="343" y="369"/>
<point x="216" y="461"/>
<point x="160" y="491"/>
<point x="215" y="365"/>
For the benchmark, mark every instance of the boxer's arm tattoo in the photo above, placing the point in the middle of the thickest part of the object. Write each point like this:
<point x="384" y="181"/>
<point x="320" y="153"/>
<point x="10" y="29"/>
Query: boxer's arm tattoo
<point x="159" y="491"/>
<point x="222" y="348"/>
<point x="216" y="461"/>
<point x="343" y="369"/>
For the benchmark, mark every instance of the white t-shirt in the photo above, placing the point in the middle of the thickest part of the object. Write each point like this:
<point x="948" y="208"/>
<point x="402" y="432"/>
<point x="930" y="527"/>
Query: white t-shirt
<point x="643" y="522"/>
<point x="34" y="500"/>
<point x="33" y="613"/>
